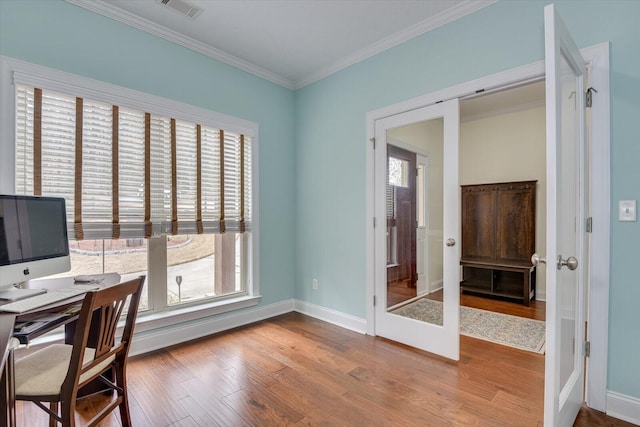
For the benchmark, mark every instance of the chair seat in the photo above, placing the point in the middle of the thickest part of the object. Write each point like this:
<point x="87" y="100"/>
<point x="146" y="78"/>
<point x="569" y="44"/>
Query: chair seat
<point x="43" y="372"/>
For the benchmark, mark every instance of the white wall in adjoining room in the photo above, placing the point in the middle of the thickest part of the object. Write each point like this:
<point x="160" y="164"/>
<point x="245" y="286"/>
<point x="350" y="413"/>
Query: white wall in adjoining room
<point x="509" y="147"/>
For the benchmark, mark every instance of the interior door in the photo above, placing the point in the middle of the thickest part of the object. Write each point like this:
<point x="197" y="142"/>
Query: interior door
<point x="564" y="360"/>
<point x="429" y="325"/>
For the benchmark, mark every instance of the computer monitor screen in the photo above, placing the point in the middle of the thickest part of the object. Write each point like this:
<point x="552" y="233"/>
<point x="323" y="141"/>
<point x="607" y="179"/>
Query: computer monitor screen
<point x="33" y="238"/>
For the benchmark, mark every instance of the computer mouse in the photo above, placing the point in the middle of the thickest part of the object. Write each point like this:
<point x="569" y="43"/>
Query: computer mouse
<point x="82" y="279"/>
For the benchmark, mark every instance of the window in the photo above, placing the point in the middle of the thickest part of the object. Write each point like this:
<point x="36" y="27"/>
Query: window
<point x="204" y="265"/>
<point x="152" y="186"/>
<point x="398" y="172"/>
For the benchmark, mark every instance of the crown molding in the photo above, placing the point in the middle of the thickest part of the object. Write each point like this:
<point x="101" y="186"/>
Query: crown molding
<point x="120" y="15"/>
<point x="461" y="9"/>
<point x="458" y="11"/>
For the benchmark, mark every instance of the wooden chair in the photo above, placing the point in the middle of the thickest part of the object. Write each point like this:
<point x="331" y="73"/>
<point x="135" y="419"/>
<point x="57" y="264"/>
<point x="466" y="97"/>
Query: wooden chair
<point x="55" y="373"/>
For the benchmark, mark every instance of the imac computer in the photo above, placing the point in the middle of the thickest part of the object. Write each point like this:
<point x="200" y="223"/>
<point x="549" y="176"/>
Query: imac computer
<point x="33" y="242"/>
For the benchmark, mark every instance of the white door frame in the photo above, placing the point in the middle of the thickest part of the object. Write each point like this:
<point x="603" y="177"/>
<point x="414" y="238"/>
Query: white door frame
<point x="424" y="162"/>
<point x="597" y="58"/>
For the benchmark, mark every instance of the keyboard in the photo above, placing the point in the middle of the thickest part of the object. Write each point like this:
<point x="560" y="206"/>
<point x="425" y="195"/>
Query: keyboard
<point x="50" y="297"/>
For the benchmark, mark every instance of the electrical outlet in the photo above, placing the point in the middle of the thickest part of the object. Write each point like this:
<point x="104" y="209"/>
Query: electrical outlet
<point x="627" y="210"/>
<point x="315" y="283"/>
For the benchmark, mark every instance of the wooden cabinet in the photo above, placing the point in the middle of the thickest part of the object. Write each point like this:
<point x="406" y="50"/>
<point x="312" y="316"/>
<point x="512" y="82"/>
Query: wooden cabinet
<point x="498" y="239"/>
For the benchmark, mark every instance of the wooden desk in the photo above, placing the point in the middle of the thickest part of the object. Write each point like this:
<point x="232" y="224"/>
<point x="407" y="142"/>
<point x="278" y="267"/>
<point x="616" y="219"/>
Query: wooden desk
<point x="7" y="322"/>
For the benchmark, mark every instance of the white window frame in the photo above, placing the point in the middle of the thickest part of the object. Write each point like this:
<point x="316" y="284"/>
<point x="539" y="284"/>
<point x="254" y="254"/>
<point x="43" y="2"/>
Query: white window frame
<point x="12" y="70"/>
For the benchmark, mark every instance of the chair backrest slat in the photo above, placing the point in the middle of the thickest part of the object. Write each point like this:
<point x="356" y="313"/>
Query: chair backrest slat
<point x="104" y="307"/>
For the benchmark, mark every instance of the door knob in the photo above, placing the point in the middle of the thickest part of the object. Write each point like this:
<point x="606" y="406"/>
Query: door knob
<point x="571" y="263"/>
<point x="536" y="260"/>
<point x="451" y="242"/>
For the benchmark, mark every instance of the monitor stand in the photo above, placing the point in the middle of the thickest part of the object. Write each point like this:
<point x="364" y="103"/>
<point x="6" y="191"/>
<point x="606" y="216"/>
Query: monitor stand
<point x="14" y="294"/>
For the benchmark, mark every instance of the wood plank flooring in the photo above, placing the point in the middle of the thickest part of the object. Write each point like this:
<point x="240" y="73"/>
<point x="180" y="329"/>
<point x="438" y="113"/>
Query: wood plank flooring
<point x="399" y="291"/>
<point x="297" y="370"/>
<point x="536" y="309"/>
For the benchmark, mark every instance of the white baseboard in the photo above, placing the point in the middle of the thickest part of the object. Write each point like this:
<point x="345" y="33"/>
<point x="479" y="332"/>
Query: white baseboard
<point x="435" y="286"/>
<point x="166" y="336"/>
<point x="338" y="318"/>
<point x="623" y="407"/>
<point x="541" y="296"/>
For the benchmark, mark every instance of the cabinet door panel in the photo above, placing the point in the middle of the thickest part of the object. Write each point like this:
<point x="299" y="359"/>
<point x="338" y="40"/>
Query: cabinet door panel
<point x="478" y="219"/>
<point x="515" y="224"/>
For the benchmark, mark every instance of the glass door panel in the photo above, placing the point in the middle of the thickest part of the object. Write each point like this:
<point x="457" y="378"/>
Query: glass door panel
<point x="415" y="291"/>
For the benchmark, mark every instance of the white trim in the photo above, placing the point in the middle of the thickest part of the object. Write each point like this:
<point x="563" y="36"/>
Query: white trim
<point x="128" y="18"/>
<point x="175" y="315"/>
<point x="167" y="329"/>
<point x="512" y="77"/>
<point x="623" y="407"/>
<point x="17" y="71"/>
<point x="407" y="146"/>
<point x="435" y="286"/>
<point x="457" y="11"/>
<point x="335" y="317"/>
<point x="598" y="57"/>
<point x="599" y="245"/>
<point x="451" y="14"/>
<point x="168" y="335"/>
<point x="541" y="295"/>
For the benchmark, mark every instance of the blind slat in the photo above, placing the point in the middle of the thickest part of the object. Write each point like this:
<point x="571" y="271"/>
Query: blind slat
<point x="114" y="166"/>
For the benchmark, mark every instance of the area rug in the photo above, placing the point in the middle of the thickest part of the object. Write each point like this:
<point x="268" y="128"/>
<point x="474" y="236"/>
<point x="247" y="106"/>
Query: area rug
<point x="513" y="331"/>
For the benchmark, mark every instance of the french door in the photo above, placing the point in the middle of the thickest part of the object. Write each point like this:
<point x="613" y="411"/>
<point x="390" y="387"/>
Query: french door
<point x="431" y="131"/>
<point x="566" y="253"/>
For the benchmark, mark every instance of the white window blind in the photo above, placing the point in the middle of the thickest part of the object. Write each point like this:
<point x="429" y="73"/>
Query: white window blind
<point x="129" y="173"/>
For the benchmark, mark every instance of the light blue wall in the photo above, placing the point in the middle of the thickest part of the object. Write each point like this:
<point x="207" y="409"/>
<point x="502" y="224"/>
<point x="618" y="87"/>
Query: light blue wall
<point x="330" y="138"/>
<point x="59" y="35"/>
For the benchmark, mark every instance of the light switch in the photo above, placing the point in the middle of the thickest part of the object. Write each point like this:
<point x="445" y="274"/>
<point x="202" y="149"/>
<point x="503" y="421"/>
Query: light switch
<point x="627" y="210"/>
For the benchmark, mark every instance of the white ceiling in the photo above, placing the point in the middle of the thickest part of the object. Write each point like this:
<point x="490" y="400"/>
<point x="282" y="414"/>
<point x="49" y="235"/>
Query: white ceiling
<point x="290" y="42"/>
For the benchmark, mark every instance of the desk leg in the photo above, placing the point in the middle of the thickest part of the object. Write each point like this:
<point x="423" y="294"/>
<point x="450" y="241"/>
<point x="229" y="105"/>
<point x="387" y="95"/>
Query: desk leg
<point x="8" y="392"/>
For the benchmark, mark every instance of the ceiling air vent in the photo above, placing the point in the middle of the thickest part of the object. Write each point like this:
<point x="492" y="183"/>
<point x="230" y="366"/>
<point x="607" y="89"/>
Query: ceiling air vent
<point x="181" y="6"/>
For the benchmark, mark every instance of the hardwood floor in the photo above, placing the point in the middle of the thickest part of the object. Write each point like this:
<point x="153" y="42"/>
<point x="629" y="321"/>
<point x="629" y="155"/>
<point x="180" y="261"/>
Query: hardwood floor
<point x="536" y="310"/>
<point x="399" y="291"/>
<point x="297" y="370"/>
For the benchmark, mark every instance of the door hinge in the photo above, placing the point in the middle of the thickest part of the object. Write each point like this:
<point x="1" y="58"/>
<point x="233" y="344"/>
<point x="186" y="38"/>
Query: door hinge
<point x="374" y="222"/>
<point x="373" y="141"/>
<point x="589" y="225"/>
<point x="374" y="300"/>
<point x="587" y="348"/>
<point x="588" y="97"/>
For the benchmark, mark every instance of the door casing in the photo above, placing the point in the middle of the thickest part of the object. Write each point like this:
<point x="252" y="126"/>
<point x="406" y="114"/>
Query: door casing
<point x="597" y="58"/>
